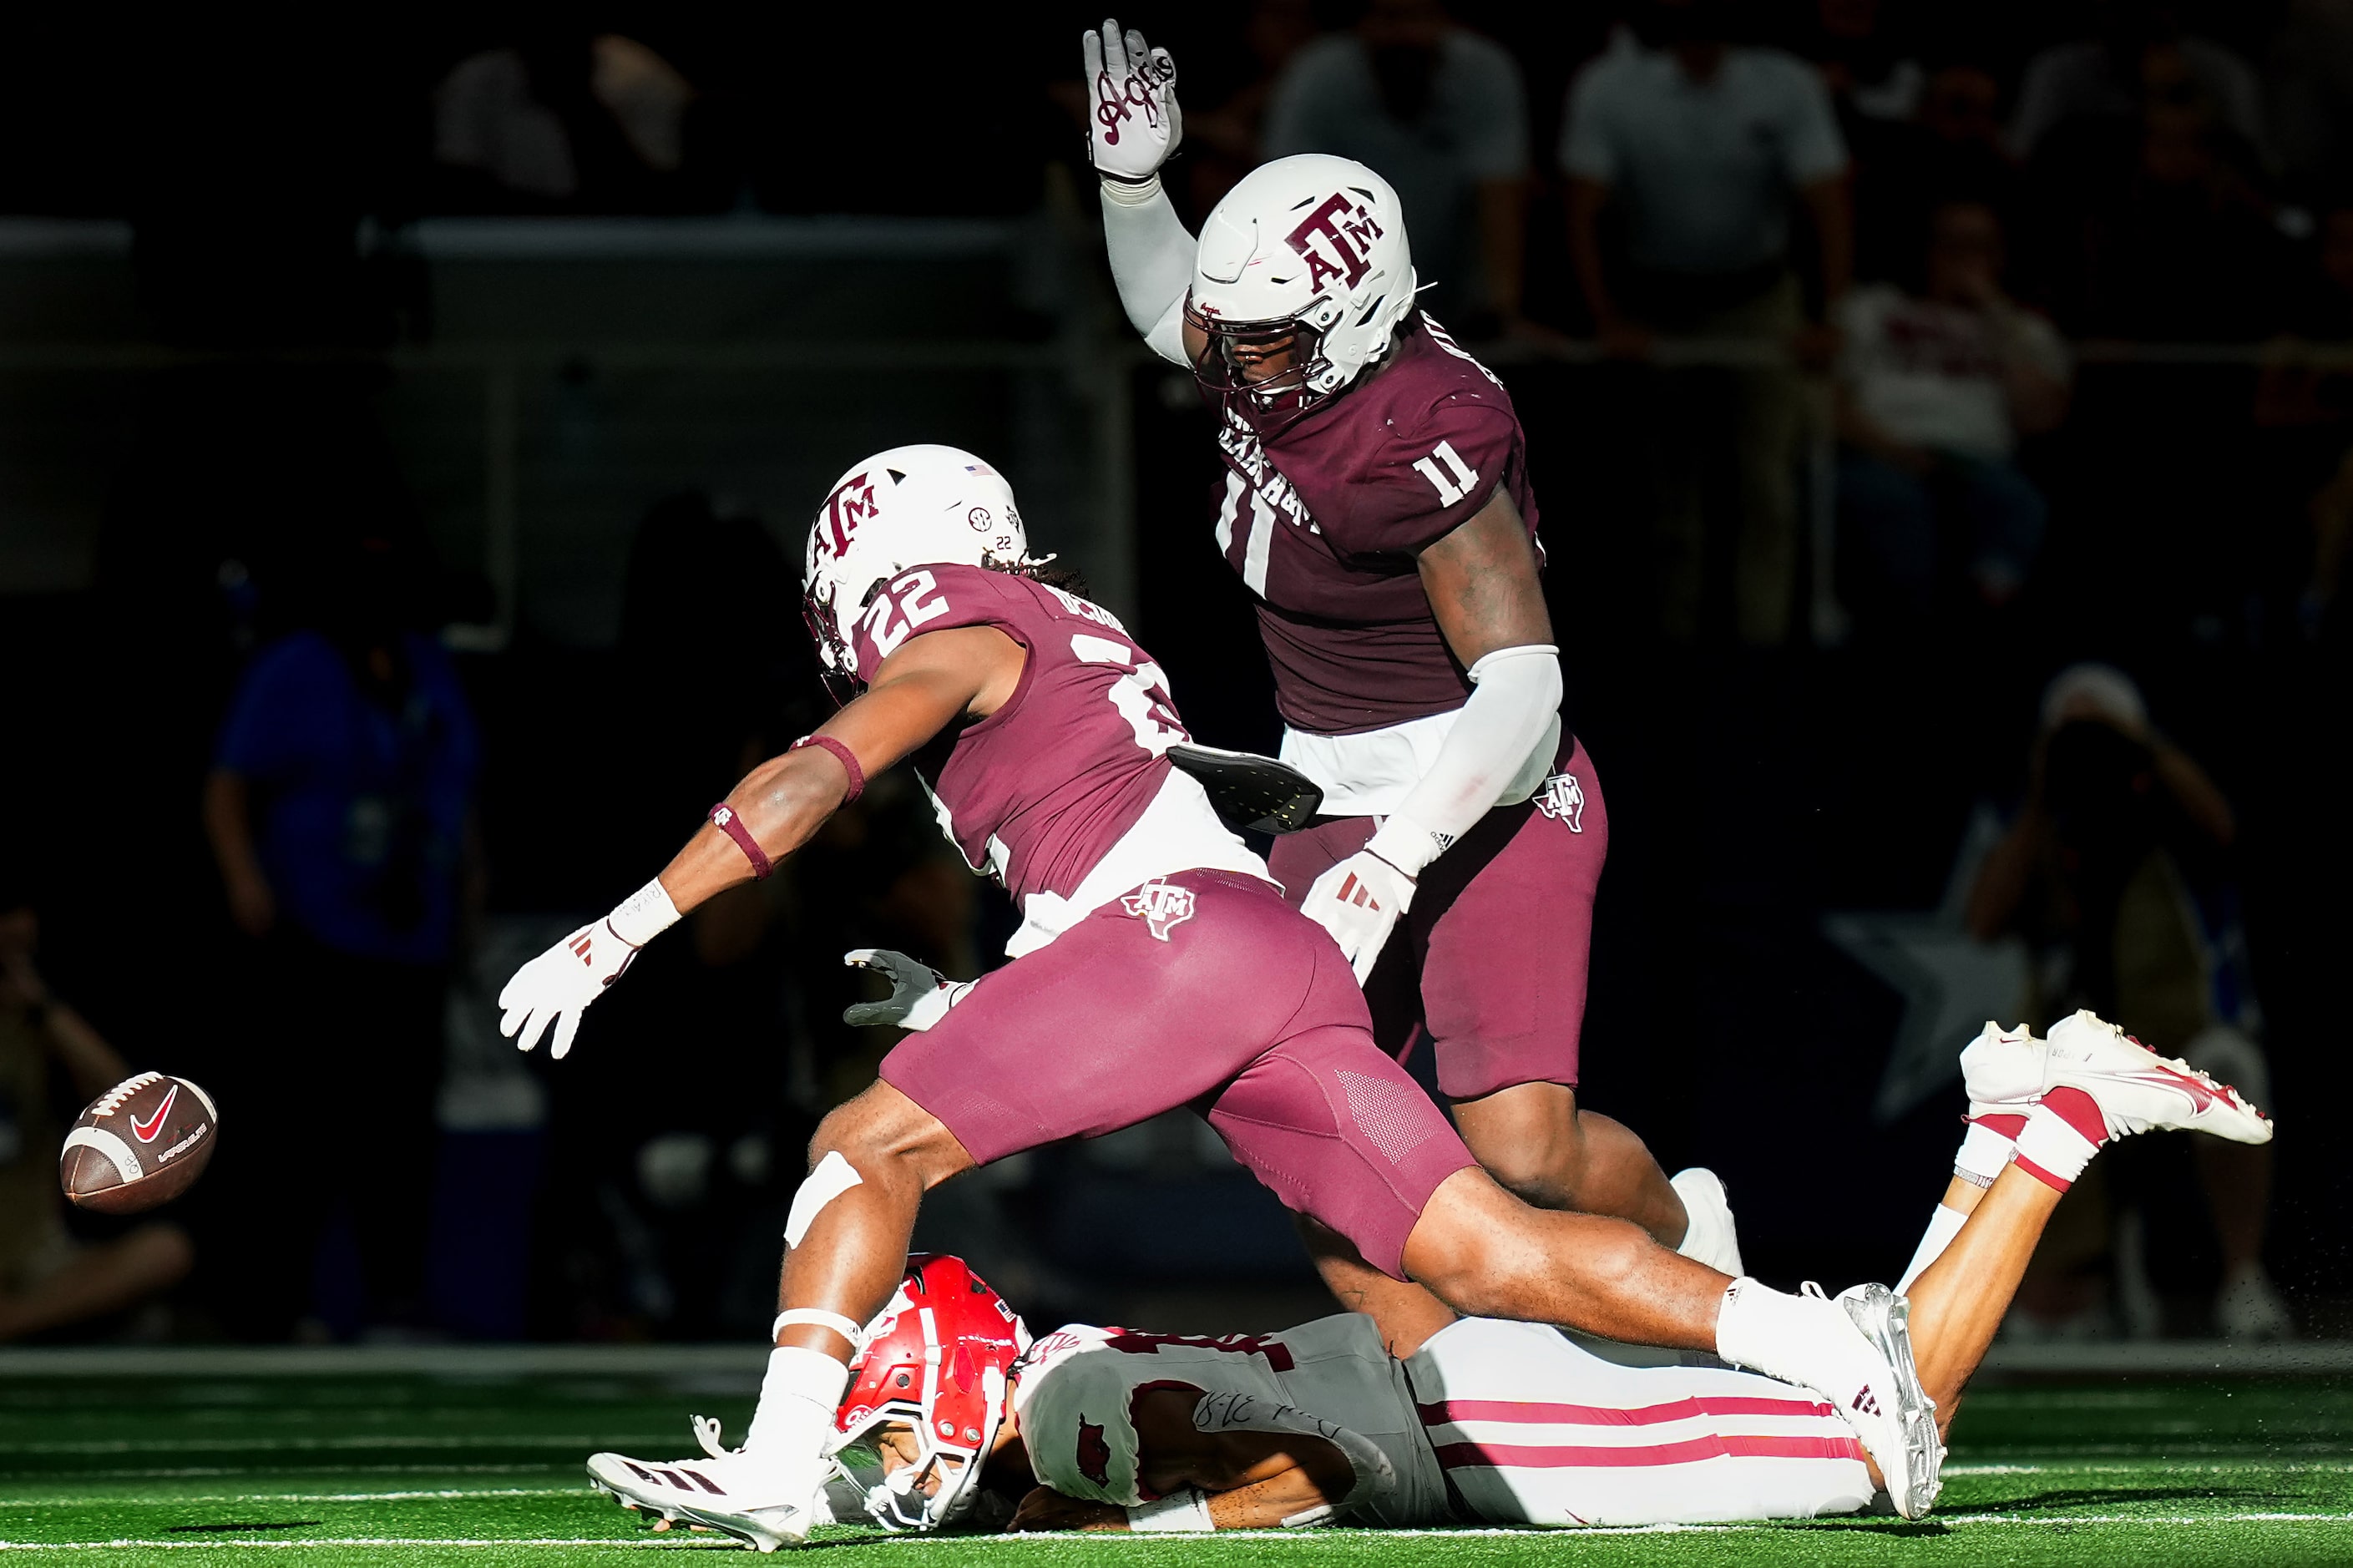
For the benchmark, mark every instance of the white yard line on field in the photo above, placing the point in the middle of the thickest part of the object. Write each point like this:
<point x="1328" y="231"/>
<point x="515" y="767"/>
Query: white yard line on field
<point x="1304" y="1539"/>
<point x="443" y="1495"/>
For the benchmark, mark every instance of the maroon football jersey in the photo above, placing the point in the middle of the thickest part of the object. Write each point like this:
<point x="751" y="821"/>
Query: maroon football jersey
<point x="1322" y="521"/>
<point x="1041" y="789"/>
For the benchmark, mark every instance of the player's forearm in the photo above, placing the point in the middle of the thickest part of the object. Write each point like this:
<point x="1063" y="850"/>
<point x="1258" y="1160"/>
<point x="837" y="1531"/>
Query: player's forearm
<point x="1268" y="1503"/>
<point x="1512" y="708"/>
<point x="1151" y="260"/>
<point x="781" y="804"/>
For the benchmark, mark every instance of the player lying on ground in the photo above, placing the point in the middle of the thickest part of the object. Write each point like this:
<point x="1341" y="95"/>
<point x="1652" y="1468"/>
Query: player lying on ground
<point x="1378" y="511"/>
<point x="1112" y="1429"/>
<point x="1158" y="966"/>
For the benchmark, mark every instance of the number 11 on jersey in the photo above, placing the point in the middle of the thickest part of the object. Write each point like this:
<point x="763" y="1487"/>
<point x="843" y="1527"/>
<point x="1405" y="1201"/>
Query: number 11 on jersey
<point x="1454" y="483"/>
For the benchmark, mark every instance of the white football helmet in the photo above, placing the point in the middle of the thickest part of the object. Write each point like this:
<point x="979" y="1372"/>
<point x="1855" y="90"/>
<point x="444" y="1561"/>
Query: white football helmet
<point x="1309" y="247"/>
<point x="911" y="506"/>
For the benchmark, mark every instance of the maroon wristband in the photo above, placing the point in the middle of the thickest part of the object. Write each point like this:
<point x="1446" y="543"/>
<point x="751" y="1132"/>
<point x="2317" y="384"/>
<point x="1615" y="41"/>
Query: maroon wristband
<point x="841" y="754"/>
<point x="724" y="817"/>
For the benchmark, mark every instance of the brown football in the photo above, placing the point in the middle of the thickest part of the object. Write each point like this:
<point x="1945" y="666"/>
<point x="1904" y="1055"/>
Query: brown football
<point x="142" y="1142"/>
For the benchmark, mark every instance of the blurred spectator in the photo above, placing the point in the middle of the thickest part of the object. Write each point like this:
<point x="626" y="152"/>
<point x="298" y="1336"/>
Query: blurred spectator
<point x="1225" y="139"/>
<point x="1702" y="147"/>
<point x="1934" y="388"/>
<point x="1950" y="148"/>
<point x="2308" y="82"/>
<point x="2116" y="874"/>
<point x="565" y="120"/>
<point x="1441" y="113"/>
<point x="339" y="810"/>
<point x="2101" y="77"/>
<point x="2331" y="512"/>
<point x="48" y="1280"/>
<point x="2171" y="231"/>
<point x="1872" y="73"/>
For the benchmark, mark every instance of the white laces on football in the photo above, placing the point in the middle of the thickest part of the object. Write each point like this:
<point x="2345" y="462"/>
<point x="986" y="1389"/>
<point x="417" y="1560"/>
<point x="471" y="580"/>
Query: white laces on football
<point x="111" y="1102"/>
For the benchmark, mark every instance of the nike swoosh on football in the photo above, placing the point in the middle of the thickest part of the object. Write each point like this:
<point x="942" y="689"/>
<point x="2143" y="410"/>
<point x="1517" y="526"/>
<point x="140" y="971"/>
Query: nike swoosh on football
<point x="145" y="1132"/>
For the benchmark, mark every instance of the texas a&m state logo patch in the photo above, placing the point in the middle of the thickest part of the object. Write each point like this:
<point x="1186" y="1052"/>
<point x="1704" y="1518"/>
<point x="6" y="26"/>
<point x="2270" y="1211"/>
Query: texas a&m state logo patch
<point x="1563" y="800"/>
<point x="1160" y="906"/>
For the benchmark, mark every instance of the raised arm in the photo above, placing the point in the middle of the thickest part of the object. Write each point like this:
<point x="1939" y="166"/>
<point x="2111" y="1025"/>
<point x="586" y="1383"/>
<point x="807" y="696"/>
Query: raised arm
<point x="930" y="682"/>
<point x="1133" y="125"/>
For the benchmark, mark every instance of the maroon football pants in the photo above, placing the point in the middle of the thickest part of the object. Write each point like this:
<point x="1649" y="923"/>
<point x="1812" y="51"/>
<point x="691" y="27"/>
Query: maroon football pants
<point x="1491" y="959"/>
<point x="1202" y="990"/>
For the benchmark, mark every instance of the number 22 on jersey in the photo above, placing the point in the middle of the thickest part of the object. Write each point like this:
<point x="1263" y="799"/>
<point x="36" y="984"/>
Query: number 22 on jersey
<point x="894" y="616"/>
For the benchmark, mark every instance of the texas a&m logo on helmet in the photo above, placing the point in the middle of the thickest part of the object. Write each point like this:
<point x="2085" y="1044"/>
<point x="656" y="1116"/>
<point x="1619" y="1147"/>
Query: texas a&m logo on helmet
<point x="1337" y="238"/>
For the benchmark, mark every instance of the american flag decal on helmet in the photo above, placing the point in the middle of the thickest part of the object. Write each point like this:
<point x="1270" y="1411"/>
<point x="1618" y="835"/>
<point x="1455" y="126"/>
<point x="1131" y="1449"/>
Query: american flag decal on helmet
<point x="1160" y="906"/>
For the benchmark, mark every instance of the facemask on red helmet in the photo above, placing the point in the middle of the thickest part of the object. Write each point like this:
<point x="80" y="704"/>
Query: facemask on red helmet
<point x="936" y="1362"/>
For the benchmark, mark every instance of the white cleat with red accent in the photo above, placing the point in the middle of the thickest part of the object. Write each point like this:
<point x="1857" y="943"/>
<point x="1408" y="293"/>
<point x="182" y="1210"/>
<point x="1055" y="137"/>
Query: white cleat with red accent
<point x="759" y="1501"/>
<point x="2137" y="1089"/>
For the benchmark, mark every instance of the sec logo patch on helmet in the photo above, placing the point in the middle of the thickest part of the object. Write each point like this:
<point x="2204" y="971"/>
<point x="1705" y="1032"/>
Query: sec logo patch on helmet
<point x="1160" y="906"/>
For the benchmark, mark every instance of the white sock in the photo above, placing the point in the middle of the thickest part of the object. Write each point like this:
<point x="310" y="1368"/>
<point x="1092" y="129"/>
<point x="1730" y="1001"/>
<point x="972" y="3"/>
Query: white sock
<point x="1756" y="1325"/>
<point x="798" y="1400"/>
<point x="1943" y="1225"/>
<point x="1986" y="1148"/>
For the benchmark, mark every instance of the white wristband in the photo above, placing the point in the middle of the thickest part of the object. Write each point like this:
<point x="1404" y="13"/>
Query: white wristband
<point x="1132" y="192"/>
<point x="643" y="915"/>
<point x="1180" y="1513"/>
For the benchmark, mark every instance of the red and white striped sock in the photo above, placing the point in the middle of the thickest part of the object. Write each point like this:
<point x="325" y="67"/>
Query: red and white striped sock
<point x="2062" y="1133"/>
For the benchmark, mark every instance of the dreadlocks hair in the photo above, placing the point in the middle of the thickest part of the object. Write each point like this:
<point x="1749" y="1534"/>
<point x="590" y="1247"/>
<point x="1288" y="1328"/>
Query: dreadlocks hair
<point x="1069" y="579"/>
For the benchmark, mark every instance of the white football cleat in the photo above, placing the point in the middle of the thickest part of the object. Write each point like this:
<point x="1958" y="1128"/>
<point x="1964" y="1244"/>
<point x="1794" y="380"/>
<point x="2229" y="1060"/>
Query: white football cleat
<point x="2137" y="1089"/>
<point x="1885" y="1319"/>
<point x="2002" y="1069"/>
<point x="1856" y="1352"/>
<point x="761" y="1501"/>
<point x="1709" y="1237"/>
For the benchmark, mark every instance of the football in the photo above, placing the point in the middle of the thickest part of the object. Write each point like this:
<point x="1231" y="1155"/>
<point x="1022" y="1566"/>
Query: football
<point x="140" y="1144"/>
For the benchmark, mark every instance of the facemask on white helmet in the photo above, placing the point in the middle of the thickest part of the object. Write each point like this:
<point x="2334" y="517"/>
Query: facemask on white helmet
<point x="911" y="506"/>
<point x="1301" y="278"/>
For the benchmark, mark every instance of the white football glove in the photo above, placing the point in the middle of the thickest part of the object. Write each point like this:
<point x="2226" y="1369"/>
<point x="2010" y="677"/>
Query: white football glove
<point x="557" y="986"/>
<point x="1133" y="123"/>
<point x="920" y="994"/>
<point x="1358" y="901"/>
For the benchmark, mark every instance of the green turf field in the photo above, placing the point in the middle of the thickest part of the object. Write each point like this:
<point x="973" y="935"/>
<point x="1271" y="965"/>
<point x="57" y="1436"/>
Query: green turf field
<point x="358" y="1471"/>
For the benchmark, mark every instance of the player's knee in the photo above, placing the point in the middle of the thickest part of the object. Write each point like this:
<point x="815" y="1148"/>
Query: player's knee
<point x="887" y="1138"/>
<point x="1544" y="1165"/>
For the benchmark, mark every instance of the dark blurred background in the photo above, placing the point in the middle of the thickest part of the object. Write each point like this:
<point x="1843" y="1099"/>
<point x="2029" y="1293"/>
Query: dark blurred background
<point x="409" y="423"/>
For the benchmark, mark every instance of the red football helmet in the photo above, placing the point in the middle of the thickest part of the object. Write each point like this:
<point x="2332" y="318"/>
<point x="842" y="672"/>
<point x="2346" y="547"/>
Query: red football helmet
<point x="935" y="1361"/>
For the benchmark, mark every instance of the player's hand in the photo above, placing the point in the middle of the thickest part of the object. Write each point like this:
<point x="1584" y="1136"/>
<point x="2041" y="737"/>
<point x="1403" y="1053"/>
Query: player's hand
<point x="557" y="986"/>
<point x="920" y="994"/>
<point x="1133" y="123"/>
<point x="1358" y="901"/>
